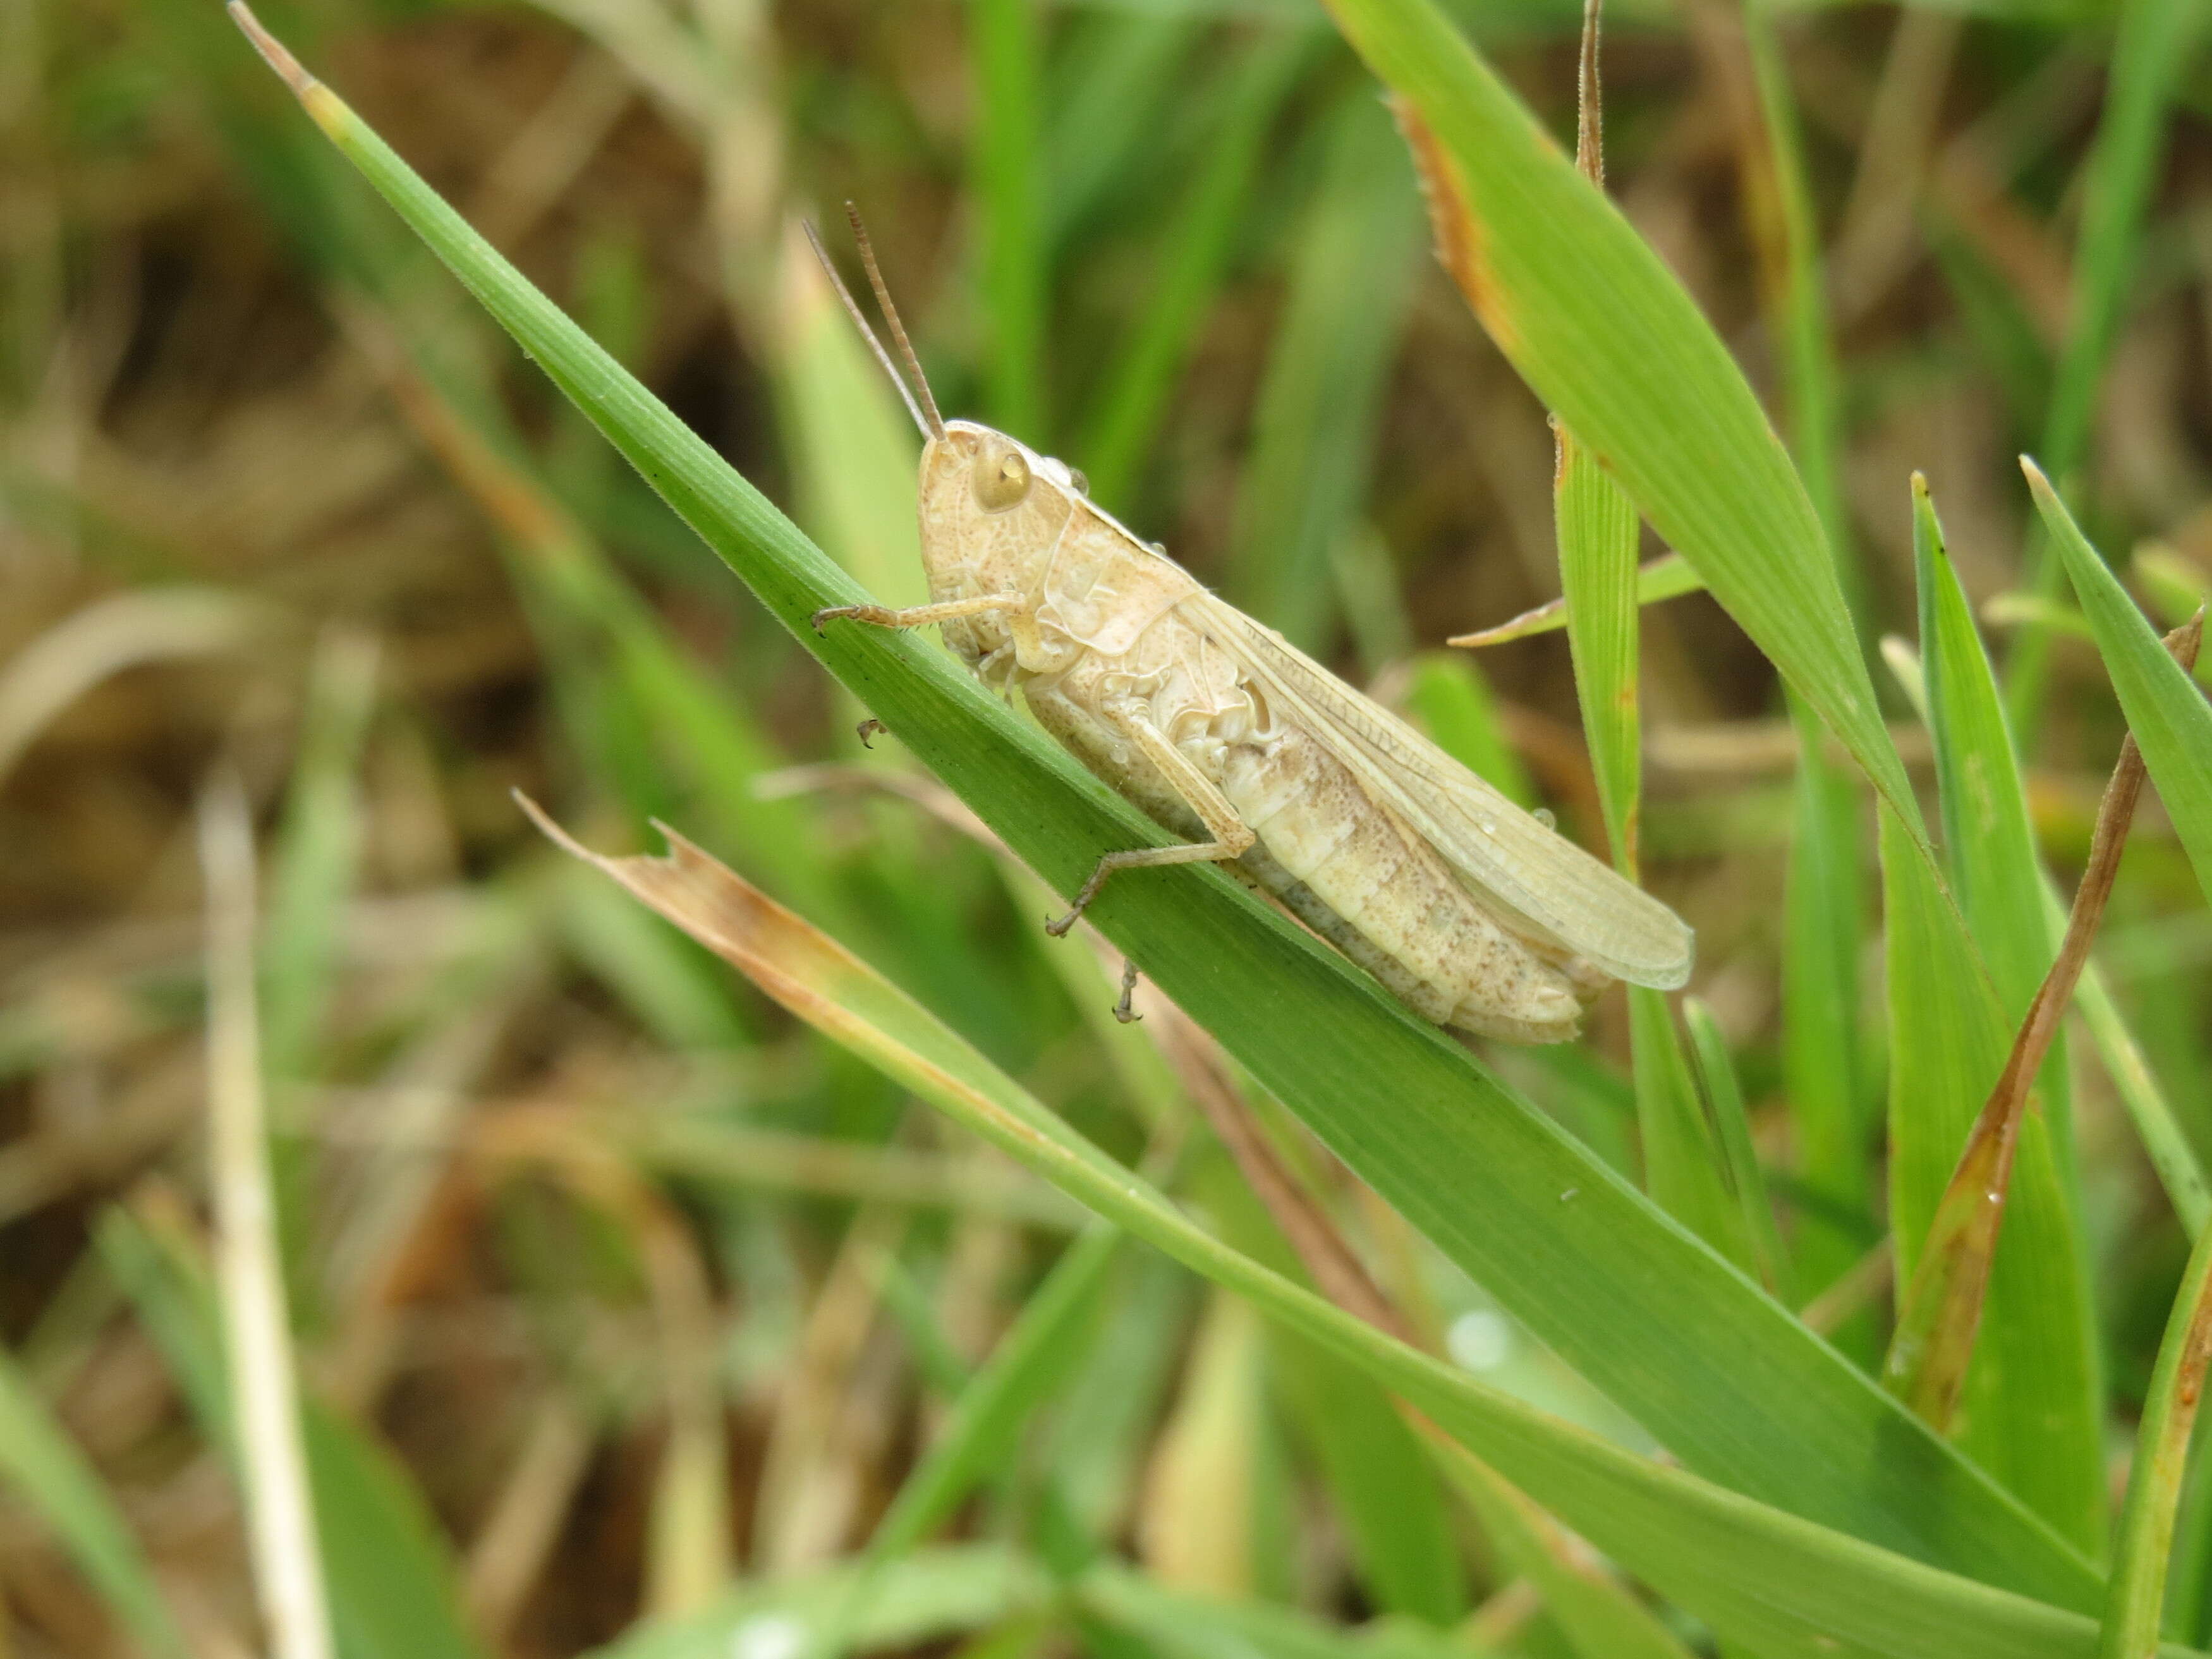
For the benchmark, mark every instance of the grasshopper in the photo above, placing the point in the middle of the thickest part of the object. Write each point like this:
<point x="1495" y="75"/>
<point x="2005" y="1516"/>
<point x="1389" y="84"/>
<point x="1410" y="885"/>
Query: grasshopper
<point x="1471" y="911"/>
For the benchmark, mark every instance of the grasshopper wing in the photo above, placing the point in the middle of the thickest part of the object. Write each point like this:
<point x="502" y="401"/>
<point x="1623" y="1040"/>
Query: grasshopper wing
<point x="1504" y="855"/>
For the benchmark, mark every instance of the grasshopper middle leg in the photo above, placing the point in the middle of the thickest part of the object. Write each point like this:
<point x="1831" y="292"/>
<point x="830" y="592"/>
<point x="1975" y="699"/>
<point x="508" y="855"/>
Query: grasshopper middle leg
<point x="1232" y="836"/>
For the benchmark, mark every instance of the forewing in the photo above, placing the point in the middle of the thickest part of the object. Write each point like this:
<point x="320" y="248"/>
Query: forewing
<point x="1554" y="886"/>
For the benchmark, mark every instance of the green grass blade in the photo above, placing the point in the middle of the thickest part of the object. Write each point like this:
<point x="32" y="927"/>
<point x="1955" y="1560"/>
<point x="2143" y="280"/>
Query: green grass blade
<point x="1148" y="363"/>
<point x="1396" y="1522"/>
<point x="1820" y="953"/>
<point x="1600" y="1617"/>
<point x="2152" y="54"/>
<point x="2180" y="1170"/>
<point x="393" y="1594"/>
<point x="2137" y="1602"/>
<point x="1598" y="535"/>
<point x="1637" y="1305"/>
<point x="1006" y="58"/>
<point x="2166" y="713"/>
<point x="1682" y="1167"/>
<point x="852" y="444"/>
<point x="921" y="1598"/>
<point x="1667" y="577"/>
<point x="1724" y="1097"/>
<point x="1809" y="354"/>
<point x="318" y="851"/>
<point x="1371" y="593"/>
<point x="1351" y="277"/>
<point x="1176" y="1623"/>
<point x="2054" y="1443"/>
<point x="1775" y="1582"/>
<point x="53" y="1480"/>
<point x="1051" y="1334"/>
<point x="1387" y="1492"/>
<point x="1454" y="703"/>
<point x="1606" y="336"/>
<point x="1988" y="843"/>
<point x="438" y="374"/>
<point x="2032" y="1369"/>
<point x="1124" y="73"/>
<point x="2152" y="51"/>
<point x="1823" y="1055"/>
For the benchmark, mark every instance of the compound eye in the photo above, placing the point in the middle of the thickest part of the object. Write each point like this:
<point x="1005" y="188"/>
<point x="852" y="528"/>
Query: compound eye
<point x="1002" y="479"/>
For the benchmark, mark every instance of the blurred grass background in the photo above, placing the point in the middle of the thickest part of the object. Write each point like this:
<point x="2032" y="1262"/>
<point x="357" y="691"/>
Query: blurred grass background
<point x="610" y="1282"/>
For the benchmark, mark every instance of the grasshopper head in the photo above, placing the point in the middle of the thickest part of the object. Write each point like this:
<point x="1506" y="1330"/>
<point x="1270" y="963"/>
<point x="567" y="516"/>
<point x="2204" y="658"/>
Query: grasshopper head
<point x="992" y="509"/>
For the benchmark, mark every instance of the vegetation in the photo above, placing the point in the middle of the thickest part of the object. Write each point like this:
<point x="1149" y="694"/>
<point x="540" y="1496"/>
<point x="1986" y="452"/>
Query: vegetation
<point x="415" y="1246"/>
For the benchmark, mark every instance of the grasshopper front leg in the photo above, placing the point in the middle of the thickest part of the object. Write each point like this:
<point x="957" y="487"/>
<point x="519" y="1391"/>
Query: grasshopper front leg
<point x="919" y="616"/>
<point x="1232" y="836"/>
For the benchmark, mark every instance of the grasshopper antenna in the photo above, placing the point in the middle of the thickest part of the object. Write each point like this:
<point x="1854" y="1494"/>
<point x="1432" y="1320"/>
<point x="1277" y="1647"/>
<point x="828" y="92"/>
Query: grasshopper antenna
<point x="891" y="318"/>
<point x="861" y="322"/>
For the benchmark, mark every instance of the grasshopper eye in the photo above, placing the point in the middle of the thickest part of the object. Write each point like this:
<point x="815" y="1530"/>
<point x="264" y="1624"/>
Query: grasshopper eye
<point x="1002" y="479"/>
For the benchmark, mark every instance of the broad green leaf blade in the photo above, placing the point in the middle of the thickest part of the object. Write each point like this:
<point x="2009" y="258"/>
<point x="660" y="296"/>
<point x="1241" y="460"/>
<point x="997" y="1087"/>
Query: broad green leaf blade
<point x="1351" y="276"/>
<point x="1607" y="338"/>
<point x="1667" y="577"/>
<point x="2168" y="715"/>
<point x="52" y="1479"/>
<point x="2177" y="1385"/>
<point x="1779" y="1584"/>
<point x="2056" y="1444"/>
<point x="1637" y="1305"/>
<point x="2031" y="1369"/>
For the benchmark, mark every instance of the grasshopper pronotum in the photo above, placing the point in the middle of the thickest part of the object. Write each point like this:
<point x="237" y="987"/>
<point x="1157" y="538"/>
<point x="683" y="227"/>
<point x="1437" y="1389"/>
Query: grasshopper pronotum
<point x="1471" y="911"/>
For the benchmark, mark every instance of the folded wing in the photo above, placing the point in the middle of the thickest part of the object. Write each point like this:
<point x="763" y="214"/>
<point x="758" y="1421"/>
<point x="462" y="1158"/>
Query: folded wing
<point x="1504" y="855"/>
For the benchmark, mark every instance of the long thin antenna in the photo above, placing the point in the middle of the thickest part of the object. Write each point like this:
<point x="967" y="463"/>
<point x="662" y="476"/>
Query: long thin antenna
<point x="891" y="316"/>
<point x="861" y="322"/>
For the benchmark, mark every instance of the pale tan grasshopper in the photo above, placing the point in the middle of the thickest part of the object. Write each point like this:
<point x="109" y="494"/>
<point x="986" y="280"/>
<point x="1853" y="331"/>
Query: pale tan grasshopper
<point x="1471" y="911"/>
